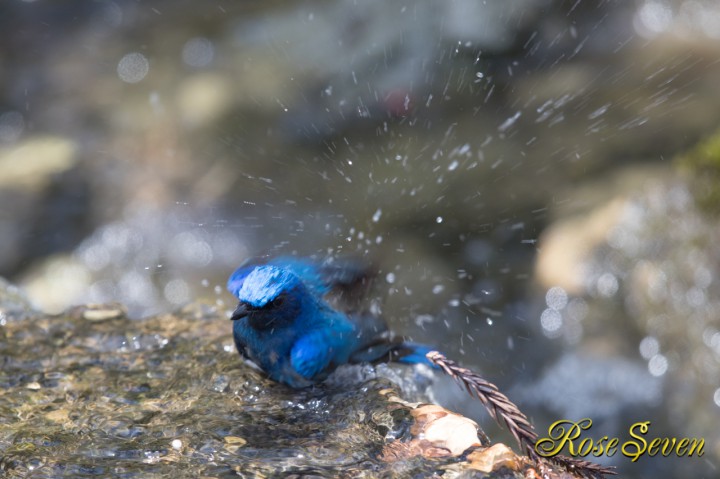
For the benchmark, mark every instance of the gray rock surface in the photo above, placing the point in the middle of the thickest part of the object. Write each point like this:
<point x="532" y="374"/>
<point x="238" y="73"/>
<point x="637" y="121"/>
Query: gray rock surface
<point x="93" y="393"/>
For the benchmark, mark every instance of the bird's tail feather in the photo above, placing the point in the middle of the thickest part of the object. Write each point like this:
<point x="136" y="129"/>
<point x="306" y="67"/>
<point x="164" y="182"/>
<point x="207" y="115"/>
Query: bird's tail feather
<point x="384" y="349"/>
<point x="412" y="353"/>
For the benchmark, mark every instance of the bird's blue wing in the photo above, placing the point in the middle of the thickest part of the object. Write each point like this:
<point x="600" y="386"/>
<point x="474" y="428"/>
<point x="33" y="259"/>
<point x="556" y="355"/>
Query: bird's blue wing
<point x="309" y="272"/>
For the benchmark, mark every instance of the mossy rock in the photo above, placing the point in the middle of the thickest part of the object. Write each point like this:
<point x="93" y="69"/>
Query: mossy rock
<point x="702" y="163"/>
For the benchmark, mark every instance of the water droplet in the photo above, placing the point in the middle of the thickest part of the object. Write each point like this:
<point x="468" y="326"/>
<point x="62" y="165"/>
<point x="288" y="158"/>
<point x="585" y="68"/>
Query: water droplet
<point x="658" y="365"/>
<point x="551" y="320"/>
<point x="177" y="291"/>
<point x="653" y="17"/>
<point x="556" y="298"/>
<point x="649" y="347"/>
<point x="133" y="67"/>
<point x="607" y="285"/>
<point x="599" y="112"/>
<point x="695" y="297"/>
<point x="509" y="122"/>
<point x="703" y="277"/>
<point x="198" y="52"/>
<point x="422" y="319"/>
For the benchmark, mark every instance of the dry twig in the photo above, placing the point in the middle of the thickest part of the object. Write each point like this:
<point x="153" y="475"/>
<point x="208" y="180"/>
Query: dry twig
<point x="501" y="408"/>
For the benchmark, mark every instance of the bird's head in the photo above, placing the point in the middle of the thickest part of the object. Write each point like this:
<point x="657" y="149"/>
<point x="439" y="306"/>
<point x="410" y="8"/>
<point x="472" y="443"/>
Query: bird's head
<point x="269" y="297"/>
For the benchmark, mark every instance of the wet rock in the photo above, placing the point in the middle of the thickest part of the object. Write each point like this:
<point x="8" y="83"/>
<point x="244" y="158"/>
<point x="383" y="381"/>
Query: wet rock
<point x="32" y="164"/>
<point x="435" y="432"/>
<point x="566" y="246"/>
<point x="202" y="99"/>
<point x="14" y="304"/>
<point x="581" y="223"/>
<point x="38" y="198"/>
<point x="494" y="457"/>
<point x="56" y="282"/>
<point x="90" y="391"/>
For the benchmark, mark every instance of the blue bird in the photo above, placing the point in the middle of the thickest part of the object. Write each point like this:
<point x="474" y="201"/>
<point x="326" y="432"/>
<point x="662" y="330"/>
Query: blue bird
<point x="285" y="324"/>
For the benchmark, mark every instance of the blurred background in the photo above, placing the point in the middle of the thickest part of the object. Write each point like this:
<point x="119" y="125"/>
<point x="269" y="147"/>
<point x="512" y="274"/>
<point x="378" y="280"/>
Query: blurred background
<point x="535" y="180"/>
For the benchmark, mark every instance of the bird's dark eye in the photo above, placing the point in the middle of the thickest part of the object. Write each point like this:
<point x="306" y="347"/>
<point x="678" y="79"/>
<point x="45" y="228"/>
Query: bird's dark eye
<point x="278" y="301"/>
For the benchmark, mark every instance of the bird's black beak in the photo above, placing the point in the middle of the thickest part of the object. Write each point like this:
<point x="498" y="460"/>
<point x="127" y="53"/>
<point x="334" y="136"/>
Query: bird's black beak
<point x="240" y="312"/>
